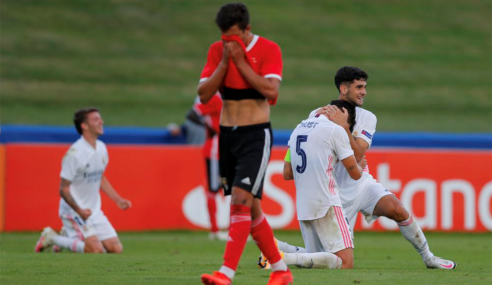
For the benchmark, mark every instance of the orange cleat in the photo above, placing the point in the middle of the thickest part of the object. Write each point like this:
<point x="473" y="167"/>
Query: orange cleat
<point x="281" y="278"/>
<point x="216" y="278"/>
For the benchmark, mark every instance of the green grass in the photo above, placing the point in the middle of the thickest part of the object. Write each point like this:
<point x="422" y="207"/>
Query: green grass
<point x="181" y="257"/>
<point x="139" y="61"/>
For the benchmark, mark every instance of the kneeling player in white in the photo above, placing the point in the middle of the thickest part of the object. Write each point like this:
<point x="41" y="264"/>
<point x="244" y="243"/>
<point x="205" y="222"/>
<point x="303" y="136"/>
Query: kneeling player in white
<point x="317" y="145"/>
<point x="86" y="227"/>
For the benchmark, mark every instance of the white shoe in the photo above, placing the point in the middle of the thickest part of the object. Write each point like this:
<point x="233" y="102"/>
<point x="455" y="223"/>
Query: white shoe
<point x="439" y="263"/>
<point x="220" y="235"/>
<point x="45" y="240"/>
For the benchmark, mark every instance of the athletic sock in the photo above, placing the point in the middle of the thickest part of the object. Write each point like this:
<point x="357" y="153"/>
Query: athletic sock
<point x="227" y="272"/>
<point x="72" y="244"/>
<point x="313" y="260"/>
<point x="263" y="236"/>
<point x="238" y="234"/>
<point x="212" y="210"/>
<point x="287" y="248"/>
<point x="413" y="233"/>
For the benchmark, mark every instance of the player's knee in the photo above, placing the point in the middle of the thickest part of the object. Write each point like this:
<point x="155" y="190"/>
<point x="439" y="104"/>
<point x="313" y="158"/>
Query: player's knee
<point x="116" y="248"/>
<point x="93" y="248"/>
<point x="347" y="263"/>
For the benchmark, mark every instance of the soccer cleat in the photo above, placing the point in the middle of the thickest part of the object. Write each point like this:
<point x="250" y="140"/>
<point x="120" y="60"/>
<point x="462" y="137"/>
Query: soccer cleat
<point x="281" y="278"/>
<point x="439" y="263"/>
<point x="219" y="235"/>
<point x="263" y="261"/>
<point x="45" y="240"/>
<point x="217" y="278"/>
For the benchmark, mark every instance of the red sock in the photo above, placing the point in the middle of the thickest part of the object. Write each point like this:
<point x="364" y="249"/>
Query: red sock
<point x="212" y="210"/>
<point x="238" y="235"/>
<point x="263" y="236"/>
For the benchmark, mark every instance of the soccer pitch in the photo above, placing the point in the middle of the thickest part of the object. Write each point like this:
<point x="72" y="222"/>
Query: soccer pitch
<point x="178" y="257"/>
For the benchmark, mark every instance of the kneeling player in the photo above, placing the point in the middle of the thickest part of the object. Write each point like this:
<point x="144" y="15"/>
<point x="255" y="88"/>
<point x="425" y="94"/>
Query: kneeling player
<point x="86" y="227"/>
<point x="315" y="147"/>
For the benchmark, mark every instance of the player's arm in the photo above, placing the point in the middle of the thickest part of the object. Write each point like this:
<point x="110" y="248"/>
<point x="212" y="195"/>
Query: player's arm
<point x="353" y="168"/>
<point x="207" y="89"/>
<point x="288" y="174"/>
<point x="359" y="146"/>
<point x="268" y="87"/>
<point x="65" y="194"/>
<point x="113" y="195"/>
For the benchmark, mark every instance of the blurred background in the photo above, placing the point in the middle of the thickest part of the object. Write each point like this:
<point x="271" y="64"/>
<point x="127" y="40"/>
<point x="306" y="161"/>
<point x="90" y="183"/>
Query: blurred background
<point x="430" y="69"/>
<point x="429" y="62"/>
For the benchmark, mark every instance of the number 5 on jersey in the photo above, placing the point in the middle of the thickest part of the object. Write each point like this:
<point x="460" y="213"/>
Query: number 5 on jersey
<point x="300" y="139"/>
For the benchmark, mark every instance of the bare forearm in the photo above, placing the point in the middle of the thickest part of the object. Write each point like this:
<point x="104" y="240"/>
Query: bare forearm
<point x="108" y="189"/>
<point x="266" y="87"/>
<point x="65" y="194"/>
<point x="359" y="151"/>
<point x="207" y="89"/>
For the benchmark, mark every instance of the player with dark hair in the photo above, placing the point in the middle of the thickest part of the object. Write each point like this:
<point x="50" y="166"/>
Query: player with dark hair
<point x="86" y="227"/>
<point x="247" y="70"/>
<point x="366" y="195"/>
<point x="318" y="146"/>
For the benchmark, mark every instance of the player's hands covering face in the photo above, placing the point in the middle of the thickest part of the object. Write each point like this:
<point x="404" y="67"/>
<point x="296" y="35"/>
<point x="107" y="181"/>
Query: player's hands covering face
<point x="236" y="51"/>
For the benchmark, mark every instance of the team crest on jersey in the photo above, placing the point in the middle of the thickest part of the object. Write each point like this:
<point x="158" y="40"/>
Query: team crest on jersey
<point x="224" y="183"/>
<point x="367" y="134"/>
<point x="355" y="133"/>
<point x="254" y="59"/>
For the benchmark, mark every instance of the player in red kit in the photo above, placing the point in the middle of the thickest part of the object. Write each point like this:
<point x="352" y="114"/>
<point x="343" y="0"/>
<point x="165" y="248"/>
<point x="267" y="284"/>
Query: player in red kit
<point x="246" y="69"/>
<point x="210" y="114"/>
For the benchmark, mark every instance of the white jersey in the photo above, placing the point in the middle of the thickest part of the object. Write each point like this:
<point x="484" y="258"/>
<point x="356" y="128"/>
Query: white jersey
<point x="316" y="146"/>
<point x="84" y="167"/>
<point x="364" y="128"/>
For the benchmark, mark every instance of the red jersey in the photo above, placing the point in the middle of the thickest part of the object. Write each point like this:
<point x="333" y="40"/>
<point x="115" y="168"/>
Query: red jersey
<point x="264" y="55"/>
<point x="211" y="115"/>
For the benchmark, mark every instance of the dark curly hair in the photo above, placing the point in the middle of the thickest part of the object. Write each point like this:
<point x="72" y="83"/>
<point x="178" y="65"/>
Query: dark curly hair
<point x="349" y="74"/>
<point x="350" y="109"/>
<point x="232" y="14"/>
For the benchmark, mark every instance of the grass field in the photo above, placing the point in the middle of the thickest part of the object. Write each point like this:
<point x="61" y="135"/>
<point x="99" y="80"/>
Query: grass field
<point x="180" y="257"/>
<point x="139" y="61"/>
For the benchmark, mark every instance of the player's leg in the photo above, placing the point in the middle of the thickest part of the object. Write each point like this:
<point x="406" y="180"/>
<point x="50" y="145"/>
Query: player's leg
<point x="213" y="187"/>
<point x="380" y="203"/>
<point x="106" y="233"/>
<point x="316" y="257"/>
<point x="334" y="233"/>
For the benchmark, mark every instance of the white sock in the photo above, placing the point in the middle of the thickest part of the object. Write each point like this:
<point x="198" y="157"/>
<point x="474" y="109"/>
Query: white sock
<point x="287" y="248"/>
<point x="71" y="244"/>
<point x="314" y="260"/>
<point x="279" y="266"/>
<point x="413" y="233"/>
<point x="227" y="272"/>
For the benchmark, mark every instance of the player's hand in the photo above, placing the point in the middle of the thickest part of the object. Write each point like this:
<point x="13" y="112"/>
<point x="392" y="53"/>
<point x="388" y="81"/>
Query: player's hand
<point x="337" y="116"/>
<point x="124" y="204"/>
<point x="84" y="213"/>
<point x="237" y="52"/>
<point x="226" y="54"/>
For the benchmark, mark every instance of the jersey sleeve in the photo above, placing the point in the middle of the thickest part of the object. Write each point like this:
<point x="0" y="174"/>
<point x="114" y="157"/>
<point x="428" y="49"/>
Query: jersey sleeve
<point x="213" y="59"/>
<point x="341" y="143"/>
<point x="272" y="65"/>
<point x="212" y="107"/>
<point x="367" y="128"/>
<point x="287" y="156"/>
<point x="70" y="165"/>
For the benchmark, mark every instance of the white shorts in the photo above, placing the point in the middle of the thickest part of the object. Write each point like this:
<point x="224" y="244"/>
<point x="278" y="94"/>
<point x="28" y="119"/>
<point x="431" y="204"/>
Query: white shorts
<point x="365" y="202"/>
<point x="330" y="233"/>
<point x="97" y="225"/>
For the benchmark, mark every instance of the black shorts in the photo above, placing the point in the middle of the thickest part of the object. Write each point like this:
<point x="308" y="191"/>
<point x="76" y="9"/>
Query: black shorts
<point x="244" y="155"/>
<point x="213" y="175"/>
